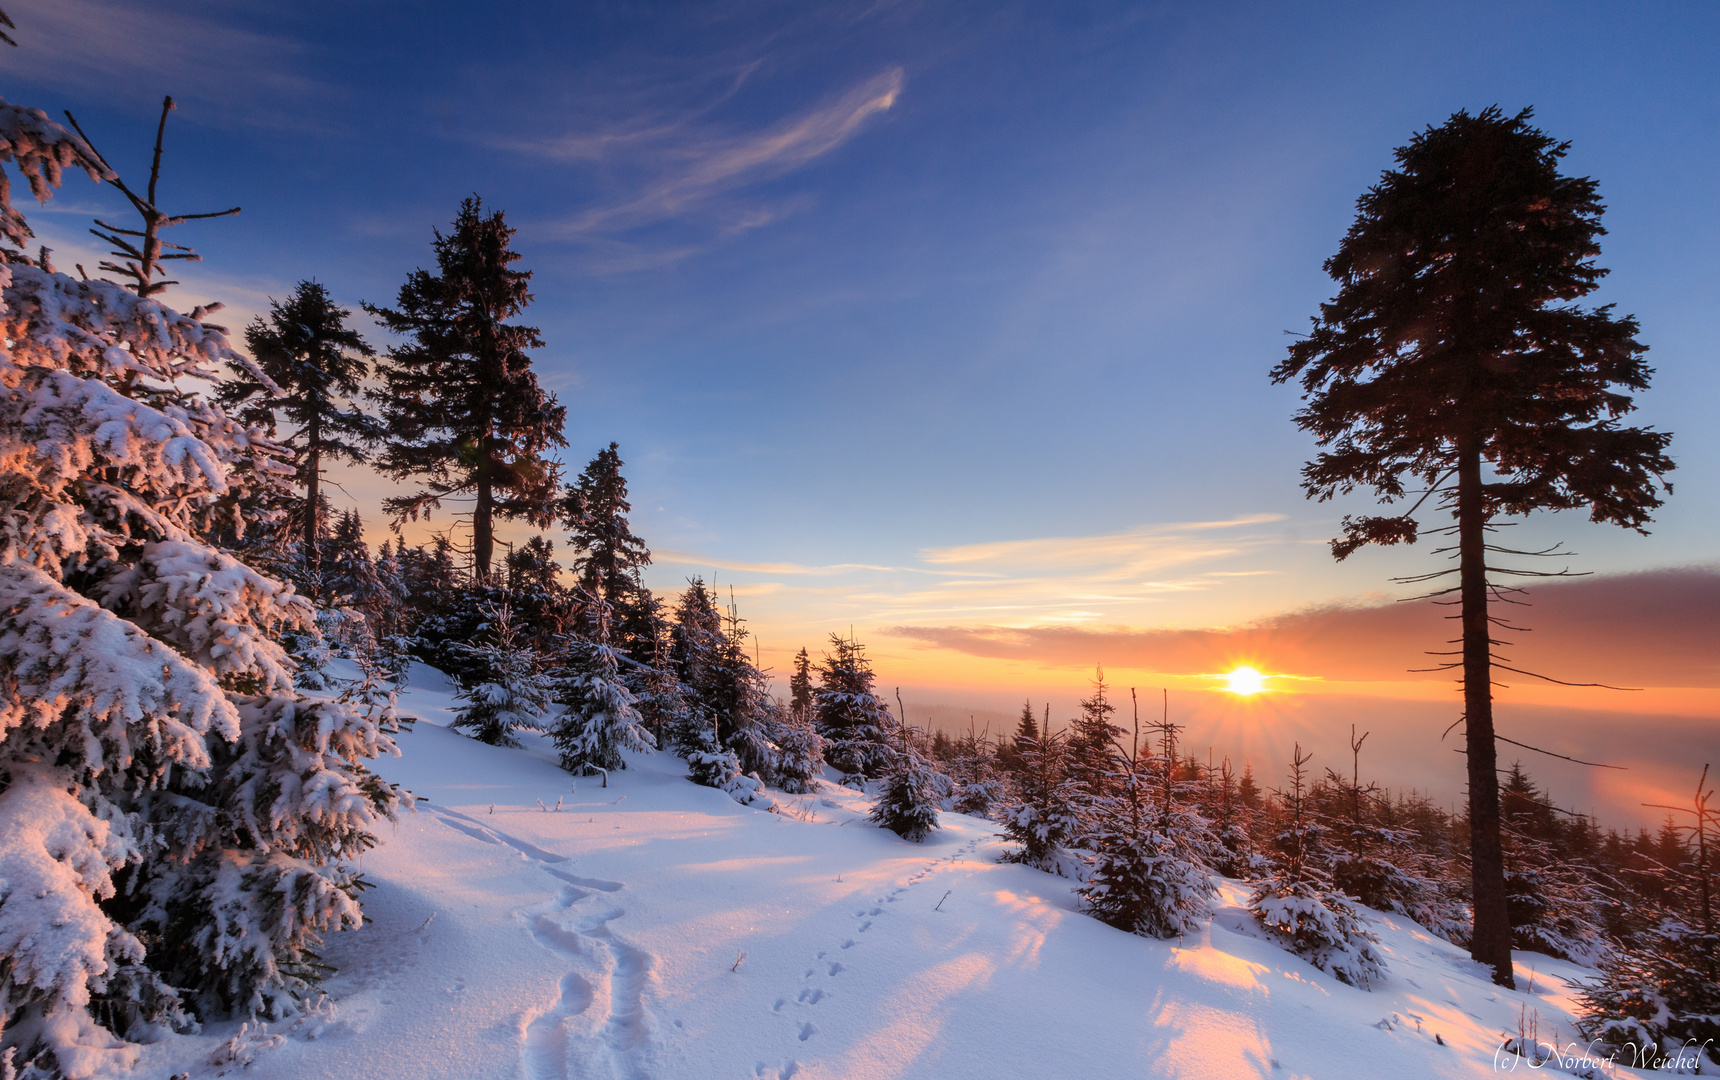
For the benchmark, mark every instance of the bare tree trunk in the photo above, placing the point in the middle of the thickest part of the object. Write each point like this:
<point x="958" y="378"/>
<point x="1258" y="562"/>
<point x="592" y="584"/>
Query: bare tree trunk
<point x="312" y="555"/>
<point x="1490" y="943"/>
<point x="483" y="526"/>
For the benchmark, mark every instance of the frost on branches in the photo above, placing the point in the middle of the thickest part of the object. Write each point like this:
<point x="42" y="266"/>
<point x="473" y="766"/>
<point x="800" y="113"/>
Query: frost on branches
<point x="172" y="814"/>
<point x="1299" y="906"/>
<point x="509" y="691"/>
<point x="601" y="716"/>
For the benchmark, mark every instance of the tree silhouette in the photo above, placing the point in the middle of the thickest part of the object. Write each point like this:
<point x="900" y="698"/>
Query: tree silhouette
<point x="1452" y="361"/>
<point x="320" y="363"/>
<point x="462" y="404"/>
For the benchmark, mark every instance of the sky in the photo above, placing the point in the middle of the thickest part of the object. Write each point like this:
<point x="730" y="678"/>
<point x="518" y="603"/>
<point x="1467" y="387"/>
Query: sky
<point x="949" y="324"/>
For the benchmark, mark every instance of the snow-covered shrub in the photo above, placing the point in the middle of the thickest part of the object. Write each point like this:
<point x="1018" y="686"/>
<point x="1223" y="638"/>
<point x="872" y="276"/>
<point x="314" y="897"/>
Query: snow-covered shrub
<point x="1323" y="927"/>
<point x="150" y="733"/>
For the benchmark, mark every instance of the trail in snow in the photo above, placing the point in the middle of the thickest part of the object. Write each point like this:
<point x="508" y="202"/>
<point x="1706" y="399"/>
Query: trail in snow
<point x="607" y="979"/>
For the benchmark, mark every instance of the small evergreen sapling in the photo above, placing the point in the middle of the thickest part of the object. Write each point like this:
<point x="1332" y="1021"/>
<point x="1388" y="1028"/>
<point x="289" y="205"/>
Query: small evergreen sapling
<point x="1141" y="881"/>
<point x="908" y="803"/>
<point x="1298" y="906"/>
<point x="511" y="692"/>
<point x="1043" y="819"/>
<point x="600" y="716"/>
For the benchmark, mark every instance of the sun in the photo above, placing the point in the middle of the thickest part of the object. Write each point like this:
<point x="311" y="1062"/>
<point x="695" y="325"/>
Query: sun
<point x="1245" y="681"/>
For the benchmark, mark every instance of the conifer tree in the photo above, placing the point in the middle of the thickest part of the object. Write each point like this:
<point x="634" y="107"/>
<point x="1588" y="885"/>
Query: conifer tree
<point x="1026" y="732"/>
<point x="852" y="718"/>
<point x="1297" y="903"/>
<point x="800" y="686"/>
<point x="908" y="804"/>
<point x="513" y="691"/>
<point x="307" y="350"/>
<point x="1044" y="817"/>
<point x="1091" y="739"/>
<point x="600" y="716"/>
<point x="799" y="753"/>
<point x="150" y="733"/>
<point x="1452" y="360"/>
<point x="1141" y="879"/>
<point x="541" y="603"/>
<point x="462" y="405"/>
<point x="607" y="557"/>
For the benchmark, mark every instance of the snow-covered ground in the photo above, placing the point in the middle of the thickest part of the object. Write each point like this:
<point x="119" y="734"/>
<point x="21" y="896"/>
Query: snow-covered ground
<point x="656" y="929"/>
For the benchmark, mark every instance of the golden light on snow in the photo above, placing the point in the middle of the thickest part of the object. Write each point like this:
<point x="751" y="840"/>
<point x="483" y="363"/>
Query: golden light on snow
<point x="1244" y="681"/>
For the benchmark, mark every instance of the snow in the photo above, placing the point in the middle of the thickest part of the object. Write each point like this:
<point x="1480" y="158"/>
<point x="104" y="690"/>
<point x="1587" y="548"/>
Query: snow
<point x="653" y="928"/>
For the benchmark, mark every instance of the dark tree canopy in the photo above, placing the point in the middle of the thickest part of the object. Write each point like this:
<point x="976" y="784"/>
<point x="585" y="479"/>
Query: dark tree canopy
<point x="464" y="409"/>
<point x="308" y="350"/>
<point x="1453" y="360"/>
<point x="1453" y="330"/>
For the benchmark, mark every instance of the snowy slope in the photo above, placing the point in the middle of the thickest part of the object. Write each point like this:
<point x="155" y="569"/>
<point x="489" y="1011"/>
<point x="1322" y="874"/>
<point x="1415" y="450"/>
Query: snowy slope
<point x="600" y="940"/>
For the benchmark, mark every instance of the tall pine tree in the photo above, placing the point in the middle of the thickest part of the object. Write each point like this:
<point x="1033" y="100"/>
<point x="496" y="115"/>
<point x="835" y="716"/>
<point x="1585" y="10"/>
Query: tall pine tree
<point x="308" y="351"/>
<point x="463" y="407"/>
<point x="1452" y="361"/>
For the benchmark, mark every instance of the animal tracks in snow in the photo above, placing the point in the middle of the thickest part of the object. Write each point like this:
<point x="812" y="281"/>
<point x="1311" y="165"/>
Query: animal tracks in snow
<point x="868" y="916"/>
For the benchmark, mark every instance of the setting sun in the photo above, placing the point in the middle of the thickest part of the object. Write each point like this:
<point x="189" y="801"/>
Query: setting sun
<point x="1245" y="681"/>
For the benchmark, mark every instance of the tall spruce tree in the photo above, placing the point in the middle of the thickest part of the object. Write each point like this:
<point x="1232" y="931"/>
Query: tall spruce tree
<point x="607" y="557"/>
<point x="463" y="407"/>
<point x="1453" y="360"/>
<point x="308" y="351"/>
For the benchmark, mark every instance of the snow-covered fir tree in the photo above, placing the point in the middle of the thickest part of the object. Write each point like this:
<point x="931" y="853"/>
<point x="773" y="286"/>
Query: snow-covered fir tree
<point x="908" y="802"/>
<point x="974" y="774"/>
<point x="175" y="818"/>
<point x="799" y="752"/>
<point x="600" y="716"/>
<point x="513" y="692"/>
<point x="607" y="556"/>
<point x="1144" y="876"/>
<point x="1091" y="738"/>
<point x="1298" y="905"/>
<point x="1043" y="819"/>
<point x="854" y="721"/>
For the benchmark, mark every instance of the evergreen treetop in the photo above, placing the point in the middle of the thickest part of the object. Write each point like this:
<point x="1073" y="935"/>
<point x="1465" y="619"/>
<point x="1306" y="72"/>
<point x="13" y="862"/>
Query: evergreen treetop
<point x="463" y="408"/>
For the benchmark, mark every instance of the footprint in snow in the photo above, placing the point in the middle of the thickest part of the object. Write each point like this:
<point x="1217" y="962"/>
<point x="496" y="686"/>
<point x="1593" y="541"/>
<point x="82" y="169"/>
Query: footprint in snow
<point x="849" y="944"/>
<point x="836" y="967"/>
<point x="807" y="1031"/>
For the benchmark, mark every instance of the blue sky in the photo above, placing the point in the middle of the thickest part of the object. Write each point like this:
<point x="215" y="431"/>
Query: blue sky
<point x="918" y="314"/>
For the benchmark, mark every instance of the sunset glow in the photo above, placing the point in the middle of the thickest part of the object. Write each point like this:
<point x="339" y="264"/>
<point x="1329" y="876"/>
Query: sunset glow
<point x="1245" y="681"/>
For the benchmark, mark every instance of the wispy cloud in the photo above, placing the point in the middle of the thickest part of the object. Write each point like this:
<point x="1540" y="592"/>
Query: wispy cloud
<point x="691" y="168"/>
<point x="1081" y="580"/>
<point x="138" y="51"/>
